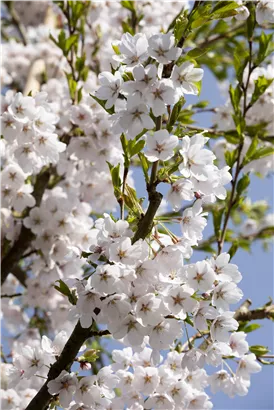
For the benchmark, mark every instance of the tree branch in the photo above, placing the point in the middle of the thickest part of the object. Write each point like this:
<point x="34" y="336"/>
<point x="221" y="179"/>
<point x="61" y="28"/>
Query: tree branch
<point x="14" y="295"/>
<point x="20" y="275"/>
<point x="26" y="236"/>
<point x="64" y="362"/>
<point x="16" y="21"/>
<point x="245" y="315"/>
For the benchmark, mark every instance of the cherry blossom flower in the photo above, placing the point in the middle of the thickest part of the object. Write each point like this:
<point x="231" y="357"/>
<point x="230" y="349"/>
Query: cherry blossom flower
<point x="195" y="157"/>
<point x="22" y="108"/>
<point x="185" y="76"/>
<point x="161" y="48"/>
<point x="159" y="95"/>
<point x="133" y="49"/>
<point x="110" y="87"/>
<point x="193" y="222"/>
<point x="238" y="344"/>
<point x="201" y="276"/>
<point x="224" y="294"/>
<point x="160" y="146"/>
<point x="150" y="309"/>
<point x="134" y="120"/>
<point x="65" y="386"/>
<point x="222" y="325"/>
<point x="181" y="190"/>
<point x="247" y="365"/>
<point x="265" y="12"/>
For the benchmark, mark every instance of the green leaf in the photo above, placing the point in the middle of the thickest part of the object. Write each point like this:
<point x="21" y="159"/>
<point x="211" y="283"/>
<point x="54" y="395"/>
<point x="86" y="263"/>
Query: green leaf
<point x="265" y="47"/>
<point x="128" y="76"/>
<point x="128" y="5"/>
<point x="80" y="63"/>
<point x="185" y="117"/>
<point x="72" y="84"/>
<point x="73" y="39"/>
<point x="233" y="249"/>
<point x="230" y="157"/>
<point x="201" y="104"/>
<point x="189" y="321"/>
<point x="251" y="150"/>
<point x="225" y="14"/>
<point x="145" y="165"/>
<point x="199" y="86"/>
<point x="135" y="148"/>
<point x="235" y="97"/>
<point x="131" y="200"/>
<point x="127" y="28"/>
<point x="251" y="328"/>
<point x="103" y="103"/>
<point x="261" y="84"/>
<point x="242" y="184"/>
<point x="79" y="94"/>
<point x="217" y="219"/>
<point x="262" y="152"/>
<point x="201" y="15"/>
<point x="258" y="350"/>
<point x="197" y="52"/>
<point x="116" y="180"/>
<point x="64" y="289"/>
<point x="90" y="356"/>
<point x="222" y="6"/>
<point x="180" y="26"/>
<point x="251" y="21"/>
<point x="116" y="49"/>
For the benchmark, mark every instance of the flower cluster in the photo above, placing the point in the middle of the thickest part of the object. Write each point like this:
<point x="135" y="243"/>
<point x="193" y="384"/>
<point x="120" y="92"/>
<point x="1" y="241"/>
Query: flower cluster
<point x="66" y="165"/>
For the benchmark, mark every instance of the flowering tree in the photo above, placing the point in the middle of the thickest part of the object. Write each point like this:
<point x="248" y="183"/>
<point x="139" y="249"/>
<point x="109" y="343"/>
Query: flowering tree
<point x="96" y="103"/>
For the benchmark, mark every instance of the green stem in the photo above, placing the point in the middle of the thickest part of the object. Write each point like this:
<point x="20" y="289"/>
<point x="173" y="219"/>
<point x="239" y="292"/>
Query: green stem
<point x="239" y="165"/>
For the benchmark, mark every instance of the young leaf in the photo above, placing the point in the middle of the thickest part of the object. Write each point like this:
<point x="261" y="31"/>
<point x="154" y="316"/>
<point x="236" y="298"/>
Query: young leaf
<point x="145" y="165"/>
<point x="251" y="328"/>
<point x="262" y="152"/>
<point x="64" y="289"/>
<point x="261" y="84"/>
<point x="233" y="249"/>
<point x="128" y="5"/>
<point x="180" y="26"/>
<point x="242" y="184"/>
<point x="230" y="157"/>
<point x="197" y="52"/>
<point x="136" y="148"/>
<point x="258" y="350"/>
<point x="265" y="47"/>
<point x="103" y="103"/>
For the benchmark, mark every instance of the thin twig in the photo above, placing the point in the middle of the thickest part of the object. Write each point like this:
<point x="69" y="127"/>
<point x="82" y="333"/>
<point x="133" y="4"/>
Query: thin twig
<point x="16" y="21"/>
<point x="14" y="295"/>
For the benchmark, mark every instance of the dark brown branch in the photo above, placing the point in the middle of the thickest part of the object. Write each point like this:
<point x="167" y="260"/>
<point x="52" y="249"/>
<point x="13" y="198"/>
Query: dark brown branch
<point x="20" y="275"/>
<point x="64" y="362"/>
<point x="26" y="236"/>
<point x="245" y="315"/>
<point x="14" y="295"/>
<point x="146" y="223"/>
